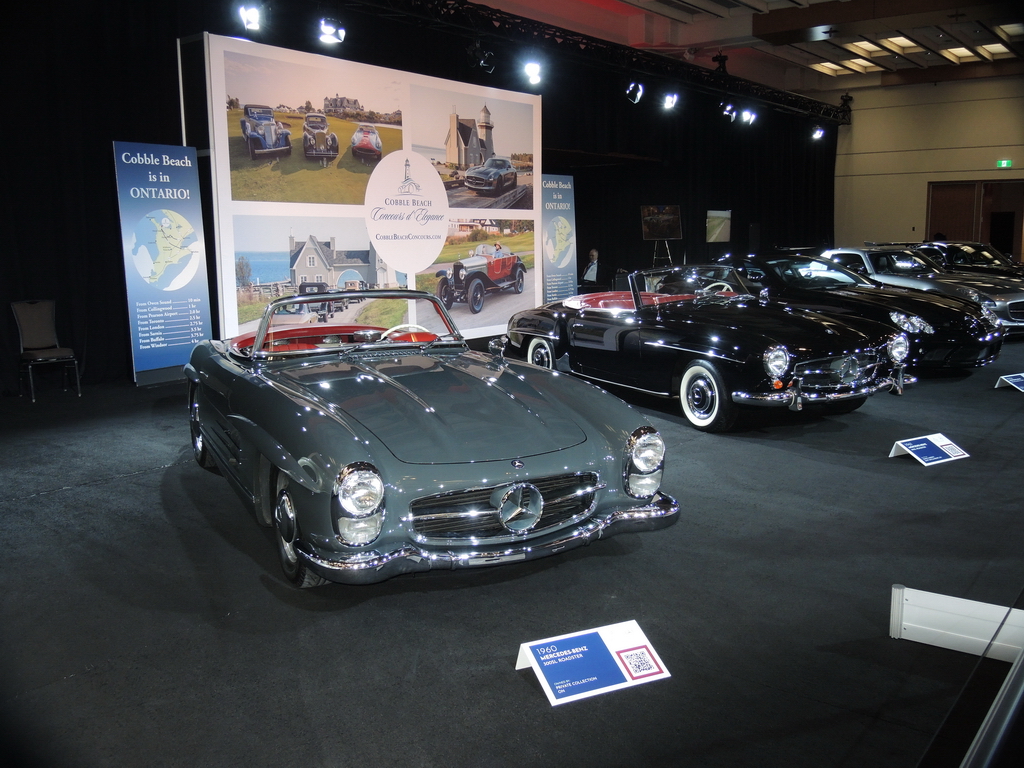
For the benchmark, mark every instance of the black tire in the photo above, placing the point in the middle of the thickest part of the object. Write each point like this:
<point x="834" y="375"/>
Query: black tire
<point x="541" y="353"/>
<point x="199" y="449"/>
<point x="515" y="180"/>
<point x="839" y="407"/>
<point x="705" y="399"/>
<point x="475" y="295"/>
<point x="252" y="148"/>
<point x="520" y="283"/>
<point x="444" y="292"/>
<point x="286" y="534"/>
<point x="288" y="144"/>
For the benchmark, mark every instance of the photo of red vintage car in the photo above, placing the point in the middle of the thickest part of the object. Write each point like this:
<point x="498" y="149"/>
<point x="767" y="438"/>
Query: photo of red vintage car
<point x="487" y="268"/>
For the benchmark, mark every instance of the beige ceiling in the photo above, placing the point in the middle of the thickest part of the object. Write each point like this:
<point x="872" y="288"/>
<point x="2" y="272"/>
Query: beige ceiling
<point x="806" y="45"/>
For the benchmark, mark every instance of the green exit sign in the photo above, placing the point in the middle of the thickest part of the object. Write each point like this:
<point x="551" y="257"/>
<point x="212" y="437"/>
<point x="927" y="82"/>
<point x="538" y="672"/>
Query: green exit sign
<point x="1004" y="163"/>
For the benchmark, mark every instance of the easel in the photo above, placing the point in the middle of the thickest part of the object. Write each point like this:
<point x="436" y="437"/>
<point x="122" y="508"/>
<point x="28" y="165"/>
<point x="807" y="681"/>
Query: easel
<point x="662" y="261"/>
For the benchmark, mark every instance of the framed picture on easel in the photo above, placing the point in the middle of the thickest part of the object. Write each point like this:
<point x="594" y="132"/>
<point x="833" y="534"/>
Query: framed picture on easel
<point x="719" y="226"/>
<point x="661" y="222"/>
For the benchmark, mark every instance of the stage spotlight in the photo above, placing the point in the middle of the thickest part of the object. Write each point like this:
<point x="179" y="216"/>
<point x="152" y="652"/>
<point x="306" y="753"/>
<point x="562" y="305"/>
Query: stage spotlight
<point x="250" y="15"/>
<point x="749" y="117"/>
<point x="728" y="110"/>
<point x="331" y="31"/>
<point x="635" y="92"/>
<point x="532" y="71"/>
<point x="819" y="132"/>
<point x="670" y="100"/>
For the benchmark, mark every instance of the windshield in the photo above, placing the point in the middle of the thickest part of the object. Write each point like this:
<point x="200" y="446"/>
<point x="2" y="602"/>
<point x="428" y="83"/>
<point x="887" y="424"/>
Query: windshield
<point x="803" y="272"/>
<point x="495" y="163"/>
<point x="316" y="121"/>
<point x="344" y="322"/>
<point x="978" y="256"/>
<point x="903" y="263"/>
<point x="692" y="282"/>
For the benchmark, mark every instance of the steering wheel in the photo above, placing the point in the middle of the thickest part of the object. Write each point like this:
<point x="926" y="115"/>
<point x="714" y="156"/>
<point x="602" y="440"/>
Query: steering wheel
<point x="403" y="326"/>
<point x="719" y="286"/>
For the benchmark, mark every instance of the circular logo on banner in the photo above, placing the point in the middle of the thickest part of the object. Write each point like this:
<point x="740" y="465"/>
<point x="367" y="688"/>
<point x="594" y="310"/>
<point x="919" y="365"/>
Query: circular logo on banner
<point x="406" y="212"/>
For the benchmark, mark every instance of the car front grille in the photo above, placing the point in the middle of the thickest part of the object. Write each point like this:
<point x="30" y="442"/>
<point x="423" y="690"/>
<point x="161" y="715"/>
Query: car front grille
<point x="1016" y="309"/>
<point x="470" y="514"/>
<point x="840" y="373"/>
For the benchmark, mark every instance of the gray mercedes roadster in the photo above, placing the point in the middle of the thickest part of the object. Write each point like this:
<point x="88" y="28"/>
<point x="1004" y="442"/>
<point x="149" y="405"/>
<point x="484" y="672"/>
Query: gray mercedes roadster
<point x="376" y="443"/>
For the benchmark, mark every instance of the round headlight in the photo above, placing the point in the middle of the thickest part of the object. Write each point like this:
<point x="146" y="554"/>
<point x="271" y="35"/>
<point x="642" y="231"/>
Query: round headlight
<point x="776" y="361"/>
<point x="968" y="293"/>
<point x="648" y="452"/>
<point x="360" y="491"/>
<point x="898" y="348"/>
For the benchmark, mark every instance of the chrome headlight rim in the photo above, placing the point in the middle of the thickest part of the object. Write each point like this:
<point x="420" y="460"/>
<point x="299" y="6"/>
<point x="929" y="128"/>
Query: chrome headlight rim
<point x="776" y="360"/>
<point x="898" y="348"/>
<point x="358" y="523"/>
<point x="644" y="462"/>
<point x="990" y="316"/>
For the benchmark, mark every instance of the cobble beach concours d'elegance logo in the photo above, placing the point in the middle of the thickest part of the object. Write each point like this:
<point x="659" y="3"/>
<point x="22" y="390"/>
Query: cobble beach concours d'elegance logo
<point x="406" y="212"/>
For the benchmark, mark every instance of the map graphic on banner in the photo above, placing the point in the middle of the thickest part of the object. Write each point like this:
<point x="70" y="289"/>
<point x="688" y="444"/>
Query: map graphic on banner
<point x="164" y="256"/>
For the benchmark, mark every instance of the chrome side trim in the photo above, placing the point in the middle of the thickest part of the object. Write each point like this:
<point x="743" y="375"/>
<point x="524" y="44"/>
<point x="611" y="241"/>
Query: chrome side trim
<point x="368" y="568"/>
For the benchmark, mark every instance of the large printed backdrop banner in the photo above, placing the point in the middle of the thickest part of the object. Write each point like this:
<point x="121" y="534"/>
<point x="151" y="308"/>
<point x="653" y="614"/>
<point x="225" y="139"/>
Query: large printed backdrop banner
<point x="345" y="174"/>
<point x="164" y="256"/>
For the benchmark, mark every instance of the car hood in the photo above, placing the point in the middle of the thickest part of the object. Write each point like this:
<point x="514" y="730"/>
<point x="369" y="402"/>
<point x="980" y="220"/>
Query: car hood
<point x="994" y="285"/>
<point x="930" y="306"/>
<point x="796" y="328"/>
<point x="432" y="409"/>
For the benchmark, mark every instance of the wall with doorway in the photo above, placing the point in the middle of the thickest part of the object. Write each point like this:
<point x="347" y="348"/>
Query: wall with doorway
<point x="904" y="138"/>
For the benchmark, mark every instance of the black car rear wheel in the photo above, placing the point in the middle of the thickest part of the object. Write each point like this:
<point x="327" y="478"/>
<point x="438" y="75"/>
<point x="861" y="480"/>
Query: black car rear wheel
<point x="475" y="295"/>
<point x="520" y="282"/>
<point x="444" y="292"/>
<point x="705" y="399"/>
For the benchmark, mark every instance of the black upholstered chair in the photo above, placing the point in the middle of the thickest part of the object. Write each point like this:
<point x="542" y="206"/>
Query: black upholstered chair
<point x="39" y="346"/>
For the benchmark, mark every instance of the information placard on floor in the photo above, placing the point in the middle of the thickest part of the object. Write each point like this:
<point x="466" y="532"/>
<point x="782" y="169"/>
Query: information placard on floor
<point x="929" y="449"/>
<point x="1015" y="380"/>
<point x="591" y="662"/>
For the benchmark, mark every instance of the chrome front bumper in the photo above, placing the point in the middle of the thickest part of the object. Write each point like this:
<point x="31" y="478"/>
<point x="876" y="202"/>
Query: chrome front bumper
<point x="371" y="567"/>
<point x="795" y="397"/>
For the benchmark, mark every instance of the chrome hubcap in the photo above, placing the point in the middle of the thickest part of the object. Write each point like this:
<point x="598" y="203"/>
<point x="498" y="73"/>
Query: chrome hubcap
<point x="701" y="397"/>
<point x="284" y="520"/>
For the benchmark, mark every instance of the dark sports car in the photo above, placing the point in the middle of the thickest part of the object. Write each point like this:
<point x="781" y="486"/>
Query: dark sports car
<point x="699" y="335"/>
<point x="905" y="268"/>
<point x="377" y="443"/>
<point x="944" y="331"/>
<point x="970" y="257"/>
<point x="318" y="141"/>
<point x="493" y="177"/>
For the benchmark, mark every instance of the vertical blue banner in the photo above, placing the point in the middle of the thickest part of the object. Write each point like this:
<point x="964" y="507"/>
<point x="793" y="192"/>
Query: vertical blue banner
<point x="558" y="234"/>
<point x="164" y="255"/>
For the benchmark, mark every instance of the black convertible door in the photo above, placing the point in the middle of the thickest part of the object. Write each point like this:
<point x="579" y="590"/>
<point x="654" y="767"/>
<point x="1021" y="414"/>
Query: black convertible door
<point x="605" y="344"/>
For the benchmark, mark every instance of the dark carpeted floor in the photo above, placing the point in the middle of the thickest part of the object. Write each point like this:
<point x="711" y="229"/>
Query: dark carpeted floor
<point x="144" y="620"/>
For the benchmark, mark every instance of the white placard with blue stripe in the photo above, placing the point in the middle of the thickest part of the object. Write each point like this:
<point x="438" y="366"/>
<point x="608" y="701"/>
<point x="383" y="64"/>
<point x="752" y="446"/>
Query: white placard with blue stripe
<point x="591" y="662"/>
<point x="1015" y="380"/>
<point x="929" y="449"/>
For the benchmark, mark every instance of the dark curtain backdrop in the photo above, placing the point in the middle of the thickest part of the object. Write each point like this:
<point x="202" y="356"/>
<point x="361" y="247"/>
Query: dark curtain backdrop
<point x="85" y="75"/>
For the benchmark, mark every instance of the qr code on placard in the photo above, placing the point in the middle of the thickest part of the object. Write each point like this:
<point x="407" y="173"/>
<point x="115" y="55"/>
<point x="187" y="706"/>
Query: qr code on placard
<point x="639" y="662"/>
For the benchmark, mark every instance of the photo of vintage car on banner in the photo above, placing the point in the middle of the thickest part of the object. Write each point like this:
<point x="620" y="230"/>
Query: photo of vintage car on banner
<point x="482" y="148"/>
<point x="485" y="272"/>
<point x="295" y="137"/>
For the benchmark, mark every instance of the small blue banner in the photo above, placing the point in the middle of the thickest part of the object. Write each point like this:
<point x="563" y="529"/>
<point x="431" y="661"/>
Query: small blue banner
<point x="164" y="253"/>
<point x="558" y="237"/>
